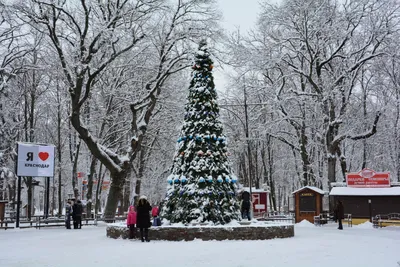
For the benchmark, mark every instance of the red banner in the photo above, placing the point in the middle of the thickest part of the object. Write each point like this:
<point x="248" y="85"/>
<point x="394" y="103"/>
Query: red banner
<point x="368" y="178"/>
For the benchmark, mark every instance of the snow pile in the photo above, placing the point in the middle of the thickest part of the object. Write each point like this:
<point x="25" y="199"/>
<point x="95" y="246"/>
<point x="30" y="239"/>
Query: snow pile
<point x="304" y="223"/>
<point x="366" y="225"/>
<point x="313" y="247"/>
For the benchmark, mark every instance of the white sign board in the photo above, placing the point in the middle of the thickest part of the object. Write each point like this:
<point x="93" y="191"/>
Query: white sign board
<point x="35" y="160"/>
<point x="260" y="207"/>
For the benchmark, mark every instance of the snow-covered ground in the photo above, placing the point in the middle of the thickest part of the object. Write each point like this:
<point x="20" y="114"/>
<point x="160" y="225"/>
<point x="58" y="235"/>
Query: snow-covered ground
<point x="312" y="246"/>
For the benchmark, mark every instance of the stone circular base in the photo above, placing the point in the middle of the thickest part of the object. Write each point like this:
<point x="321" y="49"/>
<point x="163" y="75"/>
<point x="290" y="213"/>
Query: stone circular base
<point x="179" y="233"/>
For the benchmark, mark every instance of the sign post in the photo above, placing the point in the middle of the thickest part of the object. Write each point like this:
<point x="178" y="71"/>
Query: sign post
<point x="18" y="201"/>
<point x="34" y="160"/>
<point x="46" y="212"/>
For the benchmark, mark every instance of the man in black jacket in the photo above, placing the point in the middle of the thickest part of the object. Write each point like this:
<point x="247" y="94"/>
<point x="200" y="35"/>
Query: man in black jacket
<point x="339" y="213"/>
<point x="77" y="214"/>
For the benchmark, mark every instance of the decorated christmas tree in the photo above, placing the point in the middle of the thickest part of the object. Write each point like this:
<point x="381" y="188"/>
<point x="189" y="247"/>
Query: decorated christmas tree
<point x="201" y="187"/>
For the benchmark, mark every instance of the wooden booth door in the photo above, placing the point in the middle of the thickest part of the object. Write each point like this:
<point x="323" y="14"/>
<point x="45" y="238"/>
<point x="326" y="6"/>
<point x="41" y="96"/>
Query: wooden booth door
<point x="307" y="207"/>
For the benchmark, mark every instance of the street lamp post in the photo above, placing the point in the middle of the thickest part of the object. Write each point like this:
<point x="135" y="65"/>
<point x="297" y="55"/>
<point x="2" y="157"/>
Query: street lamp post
<point x="247" y="134"/>
<point x="248" y="149"/>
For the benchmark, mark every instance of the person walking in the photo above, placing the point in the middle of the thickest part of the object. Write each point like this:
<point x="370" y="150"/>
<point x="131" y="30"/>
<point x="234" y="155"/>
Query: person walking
<point x="339" y="213"/>
<point x="143" y="218"/>
<point x="77" y="214"/>
<point x="131" y="222"/>
<point x="68" y="213"/>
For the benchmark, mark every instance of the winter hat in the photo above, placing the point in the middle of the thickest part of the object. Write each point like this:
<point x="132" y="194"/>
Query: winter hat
<point x="143" y="197"/>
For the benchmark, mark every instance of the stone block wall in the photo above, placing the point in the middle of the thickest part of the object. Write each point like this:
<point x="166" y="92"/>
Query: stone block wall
<point x="209" y="233"/>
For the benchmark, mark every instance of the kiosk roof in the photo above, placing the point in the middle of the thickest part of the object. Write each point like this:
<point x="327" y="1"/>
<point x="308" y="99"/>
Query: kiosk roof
<point x="354" y="191"/>
<point x="313" y="188"/>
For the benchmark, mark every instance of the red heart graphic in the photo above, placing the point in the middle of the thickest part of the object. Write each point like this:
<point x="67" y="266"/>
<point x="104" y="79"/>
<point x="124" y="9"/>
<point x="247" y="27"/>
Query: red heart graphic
<point x="43" y="155"/>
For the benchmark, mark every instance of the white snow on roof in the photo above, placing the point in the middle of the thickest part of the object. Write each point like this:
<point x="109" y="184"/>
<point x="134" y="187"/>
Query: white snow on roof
<point x="253" y="190"/>
<point x="313" y="188"/>
<point x="353" y="191"/>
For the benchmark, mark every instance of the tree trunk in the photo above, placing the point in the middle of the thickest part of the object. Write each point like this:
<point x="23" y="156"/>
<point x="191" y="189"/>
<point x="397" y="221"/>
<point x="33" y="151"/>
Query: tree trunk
<point x="115" y="193"/>
<point x="75" y="157"/>
<point x="126" y="197"/>
<point x="59" y="151"/>
<point x="331" y="169"/>
<point x="268" y="169"/>
<point x="89" y="193"/>
<point x="97" y="207"/>
<point x="256" y="168"/>
<point x="142" y="165"/>
<point x="28" y="183"/>
<point x="242" y="169"/>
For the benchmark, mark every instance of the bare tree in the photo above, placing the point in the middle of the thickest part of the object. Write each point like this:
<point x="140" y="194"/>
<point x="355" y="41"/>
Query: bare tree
<point x="91" y="37"/>
<point x="317" y="54"/>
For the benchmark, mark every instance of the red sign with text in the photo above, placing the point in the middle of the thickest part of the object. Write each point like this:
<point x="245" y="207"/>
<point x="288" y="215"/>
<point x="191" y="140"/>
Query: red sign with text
<point x="368" y="178"/>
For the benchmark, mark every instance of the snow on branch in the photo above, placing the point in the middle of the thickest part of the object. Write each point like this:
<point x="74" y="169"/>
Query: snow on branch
<point x="365" y="135"/>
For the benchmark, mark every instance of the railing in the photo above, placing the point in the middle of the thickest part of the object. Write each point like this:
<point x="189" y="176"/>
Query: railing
<point x="288" y="218"/>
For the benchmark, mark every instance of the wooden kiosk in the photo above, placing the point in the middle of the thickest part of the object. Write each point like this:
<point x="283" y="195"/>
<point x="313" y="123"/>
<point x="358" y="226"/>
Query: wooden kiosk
<point x="367" y="194"/>
<point x="308" y="203"/>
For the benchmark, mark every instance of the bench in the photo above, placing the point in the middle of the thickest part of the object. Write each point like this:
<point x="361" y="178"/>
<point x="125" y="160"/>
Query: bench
<point x="388" y="219"/>
<point x="348" y="219"/>
<point x="325" y="218"/>
<point x="51" y="222"/>
<point x="276" y="218"/>
<point x="25" y="223"/>
<point x="321" y="219"/>
<point x="112" y="219"/>
<point x="4" y="224"/>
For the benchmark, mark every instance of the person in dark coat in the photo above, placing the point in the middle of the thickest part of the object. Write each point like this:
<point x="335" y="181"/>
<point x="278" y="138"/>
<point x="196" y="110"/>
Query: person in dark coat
<point x="143" y="218"/>
<point x="68" y="213"/>
<point x="339" y="213"/>
<point x="77" y="214"/>
<point x="245" y="205"/>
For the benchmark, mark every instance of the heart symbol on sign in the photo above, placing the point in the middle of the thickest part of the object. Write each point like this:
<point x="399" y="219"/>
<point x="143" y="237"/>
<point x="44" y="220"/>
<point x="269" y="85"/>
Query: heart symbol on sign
<point x="43" y="155"/>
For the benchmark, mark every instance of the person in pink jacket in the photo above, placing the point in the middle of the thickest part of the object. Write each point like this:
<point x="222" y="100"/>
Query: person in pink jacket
<point x="154" y="213"/>
<point x="131" y="222"/>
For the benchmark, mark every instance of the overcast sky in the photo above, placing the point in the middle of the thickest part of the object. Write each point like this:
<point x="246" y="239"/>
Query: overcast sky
<point x="240" y="14"/>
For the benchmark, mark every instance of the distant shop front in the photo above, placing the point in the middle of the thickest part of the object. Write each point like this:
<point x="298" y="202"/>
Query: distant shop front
<point x="367" y="194"/>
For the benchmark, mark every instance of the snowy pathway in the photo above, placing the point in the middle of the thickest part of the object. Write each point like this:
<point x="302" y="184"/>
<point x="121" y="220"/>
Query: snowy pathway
<point x="312" y="246"/>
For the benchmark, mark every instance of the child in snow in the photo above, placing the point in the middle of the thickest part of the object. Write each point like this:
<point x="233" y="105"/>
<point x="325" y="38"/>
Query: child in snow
<point x="154" y="213"/>
<point x="131" y="222"/>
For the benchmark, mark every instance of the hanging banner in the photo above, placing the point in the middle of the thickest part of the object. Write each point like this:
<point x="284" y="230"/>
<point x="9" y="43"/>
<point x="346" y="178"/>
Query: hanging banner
<point x="105" y="185"/>
<point x="35" y="160"/>
<point x="368" y="178"/>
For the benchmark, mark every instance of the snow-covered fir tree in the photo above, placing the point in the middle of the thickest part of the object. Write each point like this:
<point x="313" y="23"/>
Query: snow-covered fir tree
<point x="201" y="186"/>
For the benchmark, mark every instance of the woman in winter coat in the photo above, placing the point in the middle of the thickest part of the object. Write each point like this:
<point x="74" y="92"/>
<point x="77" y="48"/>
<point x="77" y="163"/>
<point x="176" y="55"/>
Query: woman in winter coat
<point x="131" y="222"/>
<point x="143" y="218"/>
